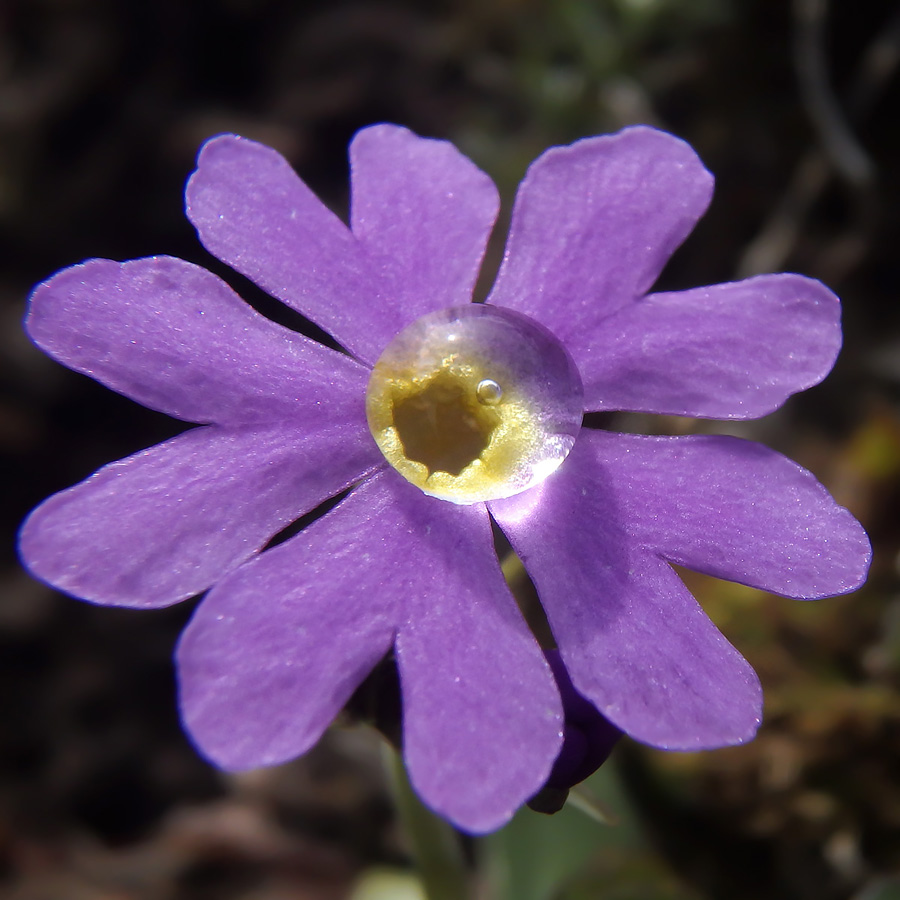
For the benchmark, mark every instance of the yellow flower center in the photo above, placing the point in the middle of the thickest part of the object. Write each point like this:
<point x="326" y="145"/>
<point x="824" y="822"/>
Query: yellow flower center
<point x="474" y="403"/>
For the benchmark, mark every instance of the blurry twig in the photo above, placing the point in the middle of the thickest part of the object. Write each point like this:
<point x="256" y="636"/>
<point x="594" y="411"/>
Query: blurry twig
<point x="778" y="236"/>
<point x="845" y="153"/>
<point x="582" y="799"/>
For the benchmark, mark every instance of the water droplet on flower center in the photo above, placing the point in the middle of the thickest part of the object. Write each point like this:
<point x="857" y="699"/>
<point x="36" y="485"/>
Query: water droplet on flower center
<point x="474" y="403"/>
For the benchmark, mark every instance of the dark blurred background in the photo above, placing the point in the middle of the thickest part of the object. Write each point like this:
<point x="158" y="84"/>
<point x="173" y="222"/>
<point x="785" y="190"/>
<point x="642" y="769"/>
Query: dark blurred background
<point x="793" y="106"/>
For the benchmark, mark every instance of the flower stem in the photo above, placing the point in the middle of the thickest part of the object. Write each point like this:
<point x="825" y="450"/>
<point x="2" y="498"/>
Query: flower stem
<point x="434" y="844"/>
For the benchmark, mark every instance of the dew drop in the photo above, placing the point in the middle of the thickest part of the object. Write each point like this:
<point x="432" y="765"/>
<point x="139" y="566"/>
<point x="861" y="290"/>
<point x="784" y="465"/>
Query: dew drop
<point x="474" y="403"/>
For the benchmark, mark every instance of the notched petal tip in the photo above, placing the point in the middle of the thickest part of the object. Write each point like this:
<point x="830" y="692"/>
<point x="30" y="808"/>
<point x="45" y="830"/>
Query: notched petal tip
<point x="422" y="213"/>
<point x="213" y="149"/>
<point x="814" y="324"/>
<point x="168" y="522"/>
<point x="739" y="727"/>
<point x="255" y="213"/>
<point x="593" y="225"/>
<point x="730" y="508"/>
<point x="642" y="149"/>
<point x="225" y="137"/>
<point x="464" y="197"/>
<point x="52" y="553"/>
<point x="698" y="701"/>
<point x="214" y="160"/>
<point x="829" y="553"/>
<point x="157" y="330"/>
<point x="43" y="307"/>
<point x="399" y="142"/>
<point x="735" y="350"/>
<point x="848" y="551"/>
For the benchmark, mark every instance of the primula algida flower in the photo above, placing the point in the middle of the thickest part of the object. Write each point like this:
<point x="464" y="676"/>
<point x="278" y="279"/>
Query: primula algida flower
<point x="475" y="406"/>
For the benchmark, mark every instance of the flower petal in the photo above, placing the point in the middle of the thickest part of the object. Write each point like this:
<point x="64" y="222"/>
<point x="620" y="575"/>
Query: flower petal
<point x="176" y="338"/>
<point x="278" y="647"/>
<point x="730" y="508"/>
<point x="731" y="351"/>
<point x="634" y="641"/>
<point x="482" y="718"/>
<point x="252" y="211"/>
<point x="593" y="225"/>
<point x="166" y="523"/>
<point x="424" y="211"/>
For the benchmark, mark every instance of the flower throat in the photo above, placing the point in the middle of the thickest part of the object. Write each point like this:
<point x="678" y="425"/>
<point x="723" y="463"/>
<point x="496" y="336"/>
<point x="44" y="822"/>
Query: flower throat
<point x="447" y="425"/>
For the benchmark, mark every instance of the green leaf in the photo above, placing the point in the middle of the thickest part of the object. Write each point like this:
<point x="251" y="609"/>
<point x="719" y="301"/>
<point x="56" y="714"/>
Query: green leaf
<point x="535" y="854"/>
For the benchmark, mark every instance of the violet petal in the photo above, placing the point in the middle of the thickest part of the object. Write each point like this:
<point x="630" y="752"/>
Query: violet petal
<point x="252" y="211"/>
<point x="482" y="717"/>
<point x="593" y="225"/>
<point x="730" y="351"/>
<point x="730" y="508"/>
<point x="633" y="639"/>
<point x="166" y="523"/>
<point x="277" y="647"/>
<point x="176" y="338"/>
<point x="424" y="212"/>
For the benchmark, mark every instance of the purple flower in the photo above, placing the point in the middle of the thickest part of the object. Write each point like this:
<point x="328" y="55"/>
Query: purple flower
<point x="285" y="636"/>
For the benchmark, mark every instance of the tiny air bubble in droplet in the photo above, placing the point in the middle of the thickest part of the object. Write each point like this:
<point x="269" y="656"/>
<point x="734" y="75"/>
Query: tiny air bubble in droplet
<point x="489" y="392"/>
